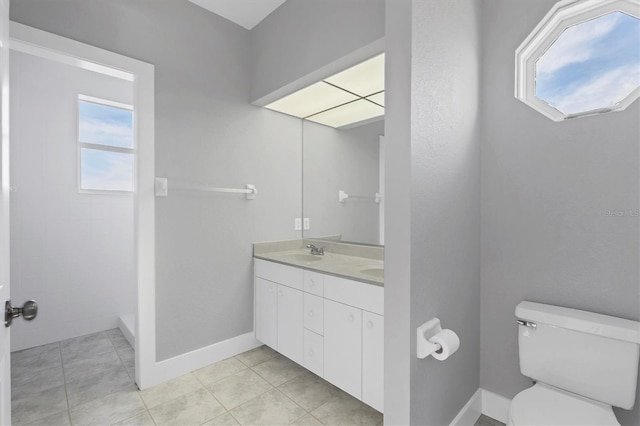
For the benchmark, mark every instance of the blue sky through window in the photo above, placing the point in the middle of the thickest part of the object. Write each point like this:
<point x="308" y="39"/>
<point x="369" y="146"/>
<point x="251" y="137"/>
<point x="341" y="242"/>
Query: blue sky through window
<point x="594" y="64"/>
<point x="112" y="127"/>
<point x="105" y="125"/>
<point x="106" y="170"/>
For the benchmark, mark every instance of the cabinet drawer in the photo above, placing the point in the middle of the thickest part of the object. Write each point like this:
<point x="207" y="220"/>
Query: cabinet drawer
<point x="314" y="283"/>
<point x="314" y="352"/>
<point x="313" y="313"/>
<point x="278" y="273"/>
<point x="354" y="293"/>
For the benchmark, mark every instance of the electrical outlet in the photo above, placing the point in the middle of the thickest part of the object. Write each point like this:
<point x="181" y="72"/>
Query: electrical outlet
<point x="307" y="224"/>
<point x="297" y="224"/>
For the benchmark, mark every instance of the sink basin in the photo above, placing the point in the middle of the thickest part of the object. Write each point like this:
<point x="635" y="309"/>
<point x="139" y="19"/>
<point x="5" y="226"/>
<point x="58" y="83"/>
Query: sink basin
<point x="303" y="257"/>
<point x="373" y="272"/>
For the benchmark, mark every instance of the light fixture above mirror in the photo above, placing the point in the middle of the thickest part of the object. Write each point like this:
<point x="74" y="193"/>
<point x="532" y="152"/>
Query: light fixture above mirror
<point x="351" y="97"/>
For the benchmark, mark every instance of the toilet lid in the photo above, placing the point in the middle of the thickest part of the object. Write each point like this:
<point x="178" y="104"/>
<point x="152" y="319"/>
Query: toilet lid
<point x="543" y="405"/>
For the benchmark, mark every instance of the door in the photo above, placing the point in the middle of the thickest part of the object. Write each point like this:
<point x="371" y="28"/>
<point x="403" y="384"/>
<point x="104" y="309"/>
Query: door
<point x="343" y="347"/>
<point x="290" y="330"/>
<point x="5" y="363"/>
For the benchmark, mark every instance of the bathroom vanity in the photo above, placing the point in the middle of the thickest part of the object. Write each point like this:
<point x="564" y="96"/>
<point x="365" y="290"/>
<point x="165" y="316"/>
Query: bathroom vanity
<point x="331" y="323"/>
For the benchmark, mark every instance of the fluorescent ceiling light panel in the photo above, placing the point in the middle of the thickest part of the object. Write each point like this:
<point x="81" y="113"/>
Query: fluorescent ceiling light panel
<point x="350" y="113"/>
<point x="311" y="100"/>
<point x="363" y="79"/>
<point x="377" y="98"/>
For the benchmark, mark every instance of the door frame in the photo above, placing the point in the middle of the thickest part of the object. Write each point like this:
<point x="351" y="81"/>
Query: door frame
<point x="5" y="261"/>
<point x="50" y="46"/>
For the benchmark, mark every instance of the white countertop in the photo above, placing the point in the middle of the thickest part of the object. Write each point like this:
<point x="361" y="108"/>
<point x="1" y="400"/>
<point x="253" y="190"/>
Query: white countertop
<point x="360" y="268"/>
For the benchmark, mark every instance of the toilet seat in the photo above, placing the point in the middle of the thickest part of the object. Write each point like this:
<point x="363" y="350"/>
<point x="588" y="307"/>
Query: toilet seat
<point x="546" y="405"/>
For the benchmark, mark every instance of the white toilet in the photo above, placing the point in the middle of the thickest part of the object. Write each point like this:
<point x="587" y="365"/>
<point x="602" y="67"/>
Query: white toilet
<point x="583" y="364"/>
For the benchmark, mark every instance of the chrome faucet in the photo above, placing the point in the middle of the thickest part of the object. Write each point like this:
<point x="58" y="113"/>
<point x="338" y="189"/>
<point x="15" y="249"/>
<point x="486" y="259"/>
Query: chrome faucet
<point x="316" y="250"/>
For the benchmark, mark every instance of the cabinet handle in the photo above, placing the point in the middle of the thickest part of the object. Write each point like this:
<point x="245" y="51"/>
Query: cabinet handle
<point x="311" y="352"/>
<point x="351" y="318"/>
<point x="310" y="312"/>
<point x="369" y="324"/>
<point x="281" y="293"/>
<point x="311" y="282"/>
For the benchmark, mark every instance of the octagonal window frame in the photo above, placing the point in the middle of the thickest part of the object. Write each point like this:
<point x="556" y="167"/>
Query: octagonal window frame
<point x="563" y="15"/>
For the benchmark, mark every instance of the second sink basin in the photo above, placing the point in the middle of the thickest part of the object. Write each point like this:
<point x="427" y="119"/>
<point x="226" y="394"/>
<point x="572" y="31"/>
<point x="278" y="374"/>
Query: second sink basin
<point x="304" y="257"/>
<point x="373" y="272"/>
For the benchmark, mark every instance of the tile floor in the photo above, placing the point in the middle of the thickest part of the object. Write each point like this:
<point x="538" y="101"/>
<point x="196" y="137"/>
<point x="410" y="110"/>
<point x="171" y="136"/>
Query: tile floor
<point x="88" y="380"/>
<point x="488" y="421"/>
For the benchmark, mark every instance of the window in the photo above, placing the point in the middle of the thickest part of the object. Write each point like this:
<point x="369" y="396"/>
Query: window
<point x="106" y="145"/>
<point x="581" y="59"/>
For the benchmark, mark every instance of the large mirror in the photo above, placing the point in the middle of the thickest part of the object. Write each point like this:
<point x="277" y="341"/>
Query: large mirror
<point x="342" y="188"/>
<point x="342" y="125"/>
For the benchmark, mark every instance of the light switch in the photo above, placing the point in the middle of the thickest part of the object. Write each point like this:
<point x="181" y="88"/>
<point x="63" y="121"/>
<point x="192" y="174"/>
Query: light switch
<point x="307" y="224"/>
<point x="297" y="224"/>
<point x="162" y="187"/>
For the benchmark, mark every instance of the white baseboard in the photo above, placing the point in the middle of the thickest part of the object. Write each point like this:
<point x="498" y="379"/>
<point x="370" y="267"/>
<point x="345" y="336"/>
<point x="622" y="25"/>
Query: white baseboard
<point x="190" y="361"/>
<point x="470" y="412"/>
<point x="483" y="402"/>
<point x="495" y="406"/>
<point x="127" y="325"/>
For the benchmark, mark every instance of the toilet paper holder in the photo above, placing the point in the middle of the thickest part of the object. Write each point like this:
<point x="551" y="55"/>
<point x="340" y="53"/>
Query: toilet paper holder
<point x="425" y="332"/>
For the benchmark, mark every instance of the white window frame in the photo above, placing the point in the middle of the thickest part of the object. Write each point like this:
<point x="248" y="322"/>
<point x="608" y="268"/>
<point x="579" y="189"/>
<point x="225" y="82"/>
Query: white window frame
<point x="562" y="15"/>
<point x="101" y="147"/>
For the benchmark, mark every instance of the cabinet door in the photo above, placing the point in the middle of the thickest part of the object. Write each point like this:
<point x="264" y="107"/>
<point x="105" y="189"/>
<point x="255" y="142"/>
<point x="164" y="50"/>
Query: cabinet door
<point x="266" y="312"/>
<point x="373" y="359"/>
<point x="290" y="328"/>
<point x="343" y="347"/>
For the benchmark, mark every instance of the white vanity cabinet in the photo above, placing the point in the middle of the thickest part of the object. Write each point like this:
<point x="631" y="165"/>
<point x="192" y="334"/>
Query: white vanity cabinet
<point x="332" y="326"/>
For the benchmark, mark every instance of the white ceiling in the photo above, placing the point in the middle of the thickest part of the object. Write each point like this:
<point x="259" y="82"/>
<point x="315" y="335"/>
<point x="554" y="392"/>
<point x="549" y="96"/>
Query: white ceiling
<point x="247" y="13"/>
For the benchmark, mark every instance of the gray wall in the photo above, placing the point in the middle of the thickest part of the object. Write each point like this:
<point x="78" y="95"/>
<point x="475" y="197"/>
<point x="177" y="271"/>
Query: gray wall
<point x="398" y="334"/>
<point x="445" y="201"/>
<point x="205" y="131"/>
<point x="302" y="36"/>
<point x="345" y="160"/>
<point x="444" y="238"/>
<point x="545" y="189"/>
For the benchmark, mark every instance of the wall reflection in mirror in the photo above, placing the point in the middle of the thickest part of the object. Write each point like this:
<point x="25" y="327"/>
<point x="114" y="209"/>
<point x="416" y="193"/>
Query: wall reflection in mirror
<point x="347" y="160"/>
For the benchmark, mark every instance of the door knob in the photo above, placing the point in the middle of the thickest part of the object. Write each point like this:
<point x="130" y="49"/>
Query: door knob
<point x="29" y="311"/>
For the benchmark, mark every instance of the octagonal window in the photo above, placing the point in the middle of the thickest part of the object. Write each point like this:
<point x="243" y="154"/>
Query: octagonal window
<point x="592" y="65"/>
<point x="582" y="59"/>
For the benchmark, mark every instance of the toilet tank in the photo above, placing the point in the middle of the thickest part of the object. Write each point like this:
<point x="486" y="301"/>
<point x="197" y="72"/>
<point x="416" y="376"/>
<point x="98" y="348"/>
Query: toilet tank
<point x="589" y="354"/>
